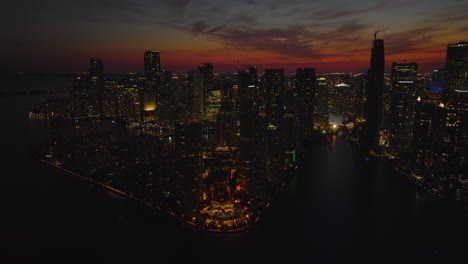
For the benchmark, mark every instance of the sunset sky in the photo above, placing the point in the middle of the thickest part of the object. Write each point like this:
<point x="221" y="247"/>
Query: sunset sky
<point x="332" y="36"/>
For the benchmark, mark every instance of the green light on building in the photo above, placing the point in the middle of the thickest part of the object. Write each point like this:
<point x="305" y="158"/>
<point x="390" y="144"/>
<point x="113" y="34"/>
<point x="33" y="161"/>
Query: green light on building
<point x="294" y="155"/>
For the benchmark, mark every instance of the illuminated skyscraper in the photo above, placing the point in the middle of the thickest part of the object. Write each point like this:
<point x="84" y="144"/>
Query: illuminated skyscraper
<point x="206" y="70"/>
<point x="451" y="137"/>
<point x="450" y="145"/>
<point x="373" y="103"/>
<point x="438" y="81"/>
<point x="206" y="73"/>
<point x="456" y="68"/>
<point x="196" y="92"/>
<point x="274" y="87"/>
<point x="423" y="134"/>
<point x="96" y="86"/>
<point x="251" y="135"/>
<point x="403" y="99"/>
<point x="189" y="145"/>
<point x="152" y="70"/>
<point x="305" y="87"/>
<point x="96" y="68"/>
<point x="321" y="103"/>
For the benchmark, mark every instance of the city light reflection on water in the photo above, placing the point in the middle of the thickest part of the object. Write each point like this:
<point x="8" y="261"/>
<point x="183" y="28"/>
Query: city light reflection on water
<point x="340" y="208"/>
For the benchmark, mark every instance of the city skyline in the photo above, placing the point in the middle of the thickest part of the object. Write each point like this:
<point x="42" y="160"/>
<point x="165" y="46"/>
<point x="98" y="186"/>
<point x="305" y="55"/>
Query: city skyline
<point x="256" y="163"/>
<point x="56" y="36"/>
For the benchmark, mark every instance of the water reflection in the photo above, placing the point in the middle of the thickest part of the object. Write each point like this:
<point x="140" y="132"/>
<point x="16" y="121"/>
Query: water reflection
<point x="342" y="208"/>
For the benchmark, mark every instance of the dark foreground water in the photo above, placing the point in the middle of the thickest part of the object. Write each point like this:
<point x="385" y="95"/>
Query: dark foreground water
<point x="342" y="210"/>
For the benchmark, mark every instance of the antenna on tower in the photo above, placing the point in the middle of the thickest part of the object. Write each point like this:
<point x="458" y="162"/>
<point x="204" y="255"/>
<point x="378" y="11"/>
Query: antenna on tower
<point x="375" y="34"/>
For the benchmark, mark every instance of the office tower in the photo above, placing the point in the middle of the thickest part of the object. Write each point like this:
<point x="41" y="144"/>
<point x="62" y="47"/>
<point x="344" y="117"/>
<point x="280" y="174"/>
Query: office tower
<point x="423" y="134"/>
<point x="321" y="103"/>
<point x="456" y="68"/>
<point x="353" y="97"/>
<point x="213" y="104"/>
<point x="337" y="103"/>
<point x="188" y="146"/>
<point x="438" y="81"/>
<point x="305" y="87"/>
<point x="79" y="96"/>
<point x="247" y="82"/>
<point x="402" y="100"/>
<point x="150" y="94"/>
<point x="178" y="93"/>
<point x="274" y="88"/>
<point x="152" y="71"/>
<point x="226" y="123"/>
<point x="292" y="130"/>
<point x="96" y="68"/>
<point x="110" y="98"/>
<point x="196" y="92"/>
<point x="274" y="82"/>
<point x="373" y="103"/>
<point x="206" y="70"/>
<point x="251" y="136"/>
<point x="96" y="87"/>
<point x="165" y="91"/>
<point x="450" y="145"/>
<point x="206" y="73"/>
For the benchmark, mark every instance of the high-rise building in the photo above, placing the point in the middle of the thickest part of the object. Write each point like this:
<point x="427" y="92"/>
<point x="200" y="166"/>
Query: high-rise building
<point x="274" y="88"/>
<point x="226" y="136"/>
<point x="438" y="81"/>
<point x="251" y="135"/>
<point x="373" y="103"/>
<point x="450" y="145"/>
<point x="196" y="92"/>
<point x="165" y="91"/>
<point x="188" y="145"/>
<point x="305" y="87"/>
<point x="206" y="72"/>
<point x="321" y="103"/>
<point x="151" y="92"/>
<point x="152" y="71"/>
<point x="96" y="86"/>
<point x="456" y="68"/>
<point x="96" y="68"/>
<point x="423" y="134"/>
<point x="402" y="101"/>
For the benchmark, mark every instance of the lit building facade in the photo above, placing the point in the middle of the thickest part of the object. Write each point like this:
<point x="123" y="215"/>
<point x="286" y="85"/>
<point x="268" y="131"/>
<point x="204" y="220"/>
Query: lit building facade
<point x="456" y="67"/>
<point x="305" y="87"/>
<point x="402" y="101"/>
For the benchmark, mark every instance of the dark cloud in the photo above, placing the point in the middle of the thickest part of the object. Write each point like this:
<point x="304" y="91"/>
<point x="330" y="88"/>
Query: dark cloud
<point x="245" y="19"/>
<point x="250" y="2"/>
<point x="217" y="10"/>
<point x="408" y="41"/>
<point x="447" y="14"/>
<point x="273" y="6"/>
<point x="344" y="12"/>
<point x="120" y="7"/>
<point x="285" y="41"/>
<point x="347" y="31"/>
<point x="177" y="5"/>
<point x="199" y="27"/>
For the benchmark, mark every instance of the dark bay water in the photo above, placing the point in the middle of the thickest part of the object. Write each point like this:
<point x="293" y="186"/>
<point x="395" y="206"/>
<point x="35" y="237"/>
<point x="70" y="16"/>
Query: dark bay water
<point x="342" y="209"/>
